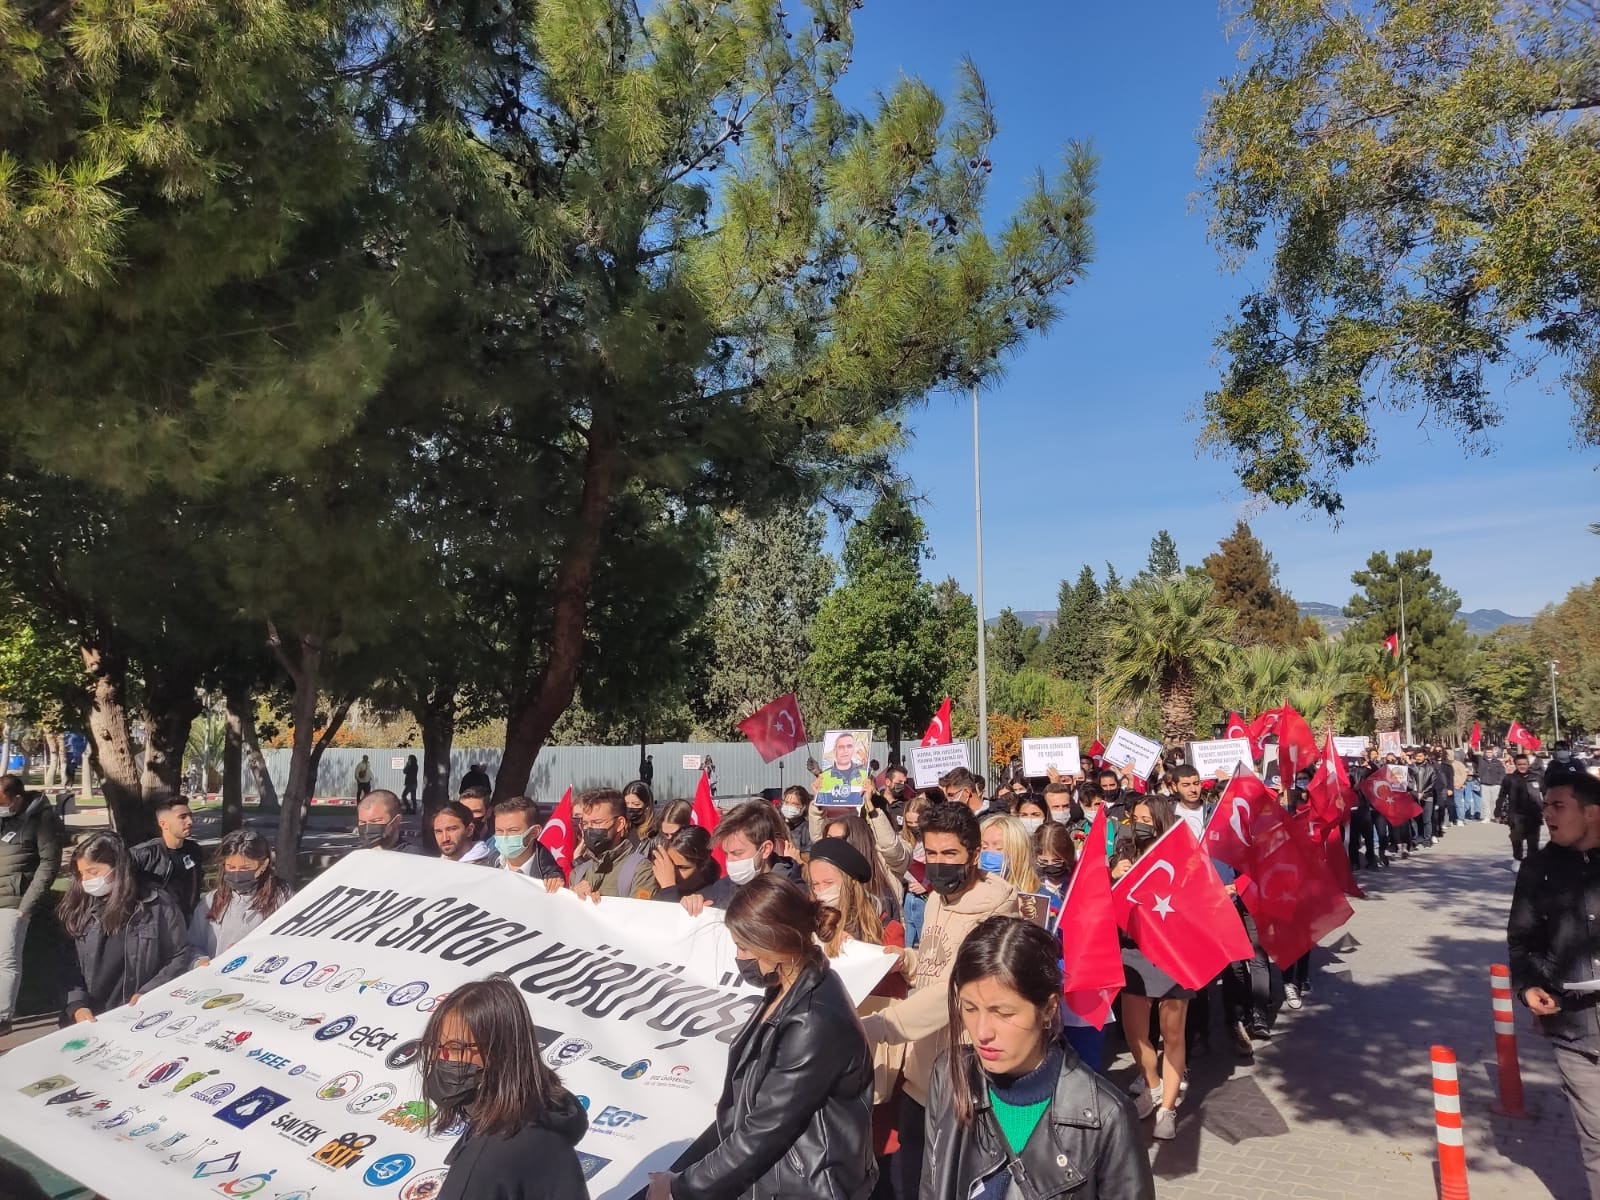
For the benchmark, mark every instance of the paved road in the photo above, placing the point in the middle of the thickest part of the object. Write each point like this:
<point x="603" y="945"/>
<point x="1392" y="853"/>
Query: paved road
<point x="1339" y="1104"/>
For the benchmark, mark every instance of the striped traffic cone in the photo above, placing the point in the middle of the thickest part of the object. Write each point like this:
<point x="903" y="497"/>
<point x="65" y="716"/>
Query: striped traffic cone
<point x="1510" y="1103"/>
<point x="1447" y="1125"/>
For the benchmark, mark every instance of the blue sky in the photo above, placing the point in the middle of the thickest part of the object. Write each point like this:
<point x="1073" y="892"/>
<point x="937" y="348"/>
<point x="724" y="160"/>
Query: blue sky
<point x="1088" y="448"/>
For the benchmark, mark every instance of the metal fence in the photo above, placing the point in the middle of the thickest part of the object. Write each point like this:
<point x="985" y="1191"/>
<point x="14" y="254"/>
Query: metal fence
<point x="740" y="771"/>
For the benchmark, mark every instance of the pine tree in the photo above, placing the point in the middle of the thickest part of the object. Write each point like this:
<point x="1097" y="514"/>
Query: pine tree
<point x="1073" y="648"/>
<point x="1163" y="562"/>
<point x="1247" y="582"/>
<point x="1007" y="644"/>
<point x="1436" y="640"/>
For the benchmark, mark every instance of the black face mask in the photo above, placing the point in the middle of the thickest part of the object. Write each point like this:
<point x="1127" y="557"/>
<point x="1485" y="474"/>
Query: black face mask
<point x="372" y="833"/>
<point x="244" y="883"/>
<point x="453" y="1084"/>
<point x="638" y="816"/>
<point x="946" y="878"/>
<point x="1054" y="872"/>
<point x="597" y="840"/>
<point x="750" y="972"/>
<point x="1143" y="831"/>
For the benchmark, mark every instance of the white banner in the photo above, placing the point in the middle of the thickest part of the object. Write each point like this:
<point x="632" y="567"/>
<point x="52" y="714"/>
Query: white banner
<point x="1351" y="747"/>
<point x="287" y="1066"/>
<point x="1389" y="743"/>
<point x="1221" y="754"/>
<point x="1126" y="746"/>
<point x="1040" y="754"/>
<point x="930" y="762"/>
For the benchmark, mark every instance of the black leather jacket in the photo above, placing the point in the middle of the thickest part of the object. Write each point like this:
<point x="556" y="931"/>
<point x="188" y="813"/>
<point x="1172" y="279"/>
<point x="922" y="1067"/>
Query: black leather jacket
<point x="1553" y="940"/>
<point x="1520" y="795"/>
<point x="795" y="1118"/>
<point x="1093" y="1152"/>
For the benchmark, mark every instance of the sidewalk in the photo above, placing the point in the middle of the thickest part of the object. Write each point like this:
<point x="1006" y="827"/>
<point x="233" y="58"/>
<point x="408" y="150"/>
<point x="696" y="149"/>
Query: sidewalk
<point x="1339" y="1104"/>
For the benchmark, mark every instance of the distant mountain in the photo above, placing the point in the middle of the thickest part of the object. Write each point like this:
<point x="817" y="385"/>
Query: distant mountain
<point x="1043" y="619"/>
<point x="1479" y="620"/>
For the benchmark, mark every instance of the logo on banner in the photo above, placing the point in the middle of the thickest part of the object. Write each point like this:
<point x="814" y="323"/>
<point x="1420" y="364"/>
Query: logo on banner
<point x="233" y="965"/>
<point x="199" y="997"/>
<point x="568" y="1052"/>
<point x="192" y="1078"/>
<point x="216" y="1093"/>
<point x="161" y="1074"/>
<point x="322" y="976"/>
<point x="340" y="1086"/>
<point x="276" y="962"/>
<point x="388" y="1169"/>
<point x="374" y="1099"/>
<point x="43" y="1087"/>
<point x="408" y="993"/>
<point x="346" y="979"/>
<point x="425" y="1186"/>
<point x="334" y="1029"/>
<point x="298" y="973"/>
<point x="251" y="1107"/>
<point x="220" y="1001"/>
<point x="176" y="1027"/>
<point x="612" y="1118"/>
<point x="247" y="1185"/>
<point x="591" y="1164"/>
<point x="370" y="1039"/>
<point x="217" y="1166"/>
<point x="70" y="1096"/>
<point x="298" y="1129"/>
<point x="403" y="1055"/>
<point x="229" y="1040"/>
<point x="268" y="1059"/>
<point x="636" y="1070"/>
<point x="152" y="1020"/>
<point x="410" y="1117"/>
<point x="345" y="1151"/>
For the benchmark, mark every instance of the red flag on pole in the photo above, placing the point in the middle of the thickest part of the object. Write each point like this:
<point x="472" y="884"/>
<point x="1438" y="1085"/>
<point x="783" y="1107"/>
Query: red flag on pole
<point x="1331" y="793"/>
<point x="939" y="728"/>
<point x="1392" y="644"/>
<point x="1289" y="891"/>
<point x="1228" y="832"/>
<point x="1297" y="745"/>
<point x="560" y="835"/>
<point x="1519" y="736"/>
<point x="1237" y="728"/>
<point x="1476" y="741"/>
<point x="1091" y="957"/>
<point x="1330" y="843"/>
<point x="1172" y="904"/>
<point x="1097" y="751"/>
<point x="775" y="729"/>
<point x="706" y="815"/>
<point x="1397" y="806"/>
<point x="1263" y="727"/>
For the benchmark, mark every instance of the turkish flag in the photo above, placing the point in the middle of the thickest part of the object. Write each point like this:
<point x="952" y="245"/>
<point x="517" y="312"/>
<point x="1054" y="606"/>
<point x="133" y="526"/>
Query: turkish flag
<point x="1262" y="728"/>
<point x="560" y="835"/>
<point x="1476" y="741"/>
<point x="1330" y="790"/>
<point x="705" y="814"/>
<point x="1237" y="727"/>
<point x="1329" y="842"/>
<point x="1097" y="751"/>
<point x="1397" y="806"/>
<point x="1392" y="644"/>
<point x="1297" y="745"/>
<point x="1228" y="832"/>
<point x="1173" y="907"/>
<point x="775" y="729"/>
<point x="1289" y="890"/>
<point x="1518" y="736"/>
<point x="939" y="728"/>
<point x="1091" y="957"/>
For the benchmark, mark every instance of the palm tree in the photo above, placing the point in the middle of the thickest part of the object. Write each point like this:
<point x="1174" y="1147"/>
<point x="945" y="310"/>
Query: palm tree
<point x="1167" y="637"/>
<point x="1259" y="677"/>
<point x="1329" y="671"/>
<point x="1385" y="683"/>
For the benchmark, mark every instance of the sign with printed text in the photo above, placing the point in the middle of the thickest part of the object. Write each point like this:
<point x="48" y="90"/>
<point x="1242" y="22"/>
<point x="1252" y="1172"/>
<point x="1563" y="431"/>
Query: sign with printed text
<point x="397" y="763"/>
<point x="1040" y="754"/>
<point x="1351" y="747"/>
<point x="1389" y="743"/>
<point x="928" y="763"/>
<point x="1126" y="747"/>
<point x="1219" y="754"/>
<point x="691" y="762"/>
<point x="289" y="1065"/>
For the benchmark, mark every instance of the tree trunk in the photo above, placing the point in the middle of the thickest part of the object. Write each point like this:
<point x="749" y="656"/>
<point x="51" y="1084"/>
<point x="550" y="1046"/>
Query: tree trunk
<point x="335" y="723"/>
<point x="113" y="743"/>
<point x="242" y="712"/>
<point x="1177" y="708"/>
<point x="303" y="714"/>
<point x="232" y="769"/>
<point x="537" y="708"/>
<point x="1385" y="714"/>
<point x="436" y="716"/>
<point x="172" y="702"/>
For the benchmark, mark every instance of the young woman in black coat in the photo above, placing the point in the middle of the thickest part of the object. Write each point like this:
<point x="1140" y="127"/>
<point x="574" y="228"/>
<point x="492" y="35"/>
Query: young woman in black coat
<point x="795" y="1118"/>
<point x="481" y="1066"/>
<point x="128" y="934"/>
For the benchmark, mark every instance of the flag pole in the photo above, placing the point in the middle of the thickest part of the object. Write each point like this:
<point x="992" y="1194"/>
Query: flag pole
<point x="1405" y="662"/>
<point x="983" y="658"/>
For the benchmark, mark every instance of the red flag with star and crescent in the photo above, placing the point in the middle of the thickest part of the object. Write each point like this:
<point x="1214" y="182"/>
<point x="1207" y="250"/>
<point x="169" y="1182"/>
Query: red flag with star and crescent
<point x="706" y="815"/>
<point x="1228" y="832"/>
<point x="1289" y="889"/>
<point x="1174" y="908"/>
<point x="1263" y="728"/>
<point x="560" y="836"/>
<point x="1392" y="644"/>
<point x="939" y="728"/>
<point x="1297" y="745"/>
<point x="1518" y="735"/>
<point x="1476" y="741"/>
<point x="1332" y="795"/>
<point x="1091" y="957"/>
<point x="775" y="729"/>
<point x="1238" y="727"/>
<point x="1397" y="805"/>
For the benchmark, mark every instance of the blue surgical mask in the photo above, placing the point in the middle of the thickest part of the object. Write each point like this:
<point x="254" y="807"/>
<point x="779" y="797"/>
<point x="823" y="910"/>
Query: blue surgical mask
<point x="992" y="861"/>
<point x="510" y="844"/>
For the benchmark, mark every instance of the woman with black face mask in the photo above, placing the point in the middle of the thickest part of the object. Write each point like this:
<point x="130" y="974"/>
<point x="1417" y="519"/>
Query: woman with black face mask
<point x="795" y="1117"/>
<point x="247" y="894"/>
<point x="1146" y="985"/>
<point x="481" y="1068"/>
<point x="640" y="803"/>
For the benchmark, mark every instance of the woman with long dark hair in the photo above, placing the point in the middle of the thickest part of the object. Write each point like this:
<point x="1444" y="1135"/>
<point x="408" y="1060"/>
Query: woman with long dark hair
<point x="128" y="934"/>
<point x="639" y="803"/>
<point x="794" y="1118"/>
<point x="1146" y="985"/>
<point x="687" y="872"/>
<point x="1012" y="1110"/>
<point x="481" y="1068"/>
<point x="247" y="894"/>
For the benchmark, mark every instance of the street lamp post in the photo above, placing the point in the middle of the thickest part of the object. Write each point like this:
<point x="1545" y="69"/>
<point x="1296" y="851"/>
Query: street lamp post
<point x="1555" y="710"/>
<point x="983" y="656"/>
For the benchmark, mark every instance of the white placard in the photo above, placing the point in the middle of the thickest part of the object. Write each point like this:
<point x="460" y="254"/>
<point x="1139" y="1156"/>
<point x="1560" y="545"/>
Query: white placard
<point x="1040" y="754"/>
<point x="1220" y="754"/>
<point x="1389" y="743"/>
<point x="1351" y="747"/>
<point x="1126" y="747"/>
<point x="691" y="762"/>
<point x="289" y="1064"/>
<point x="928" y="763"/>
<point x="397" y="763"/>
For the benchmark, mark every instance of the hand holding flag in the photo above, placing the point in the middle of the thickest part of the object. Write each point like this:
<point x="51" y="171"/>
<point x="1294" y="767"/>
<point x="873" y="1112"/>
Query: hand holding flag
<point x="560" y="836"/>
<point x="939" y="728"/>
<point x="1091" y="957"/>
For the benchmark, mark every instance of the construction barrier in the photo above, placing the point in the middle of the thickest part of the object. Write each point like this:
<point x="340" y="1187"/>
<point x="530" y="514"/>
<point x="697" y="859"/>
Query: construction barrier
<point x="1510" y="1103"/>
<point x="1447" y="1125"/>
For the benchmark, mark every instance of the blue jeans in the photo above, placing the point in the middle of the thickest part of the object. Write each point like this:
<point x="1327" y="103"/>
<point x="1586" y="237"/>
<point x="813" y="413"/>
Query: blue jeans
<point x="911" y="914"/>
<point x="1471" y="801"/>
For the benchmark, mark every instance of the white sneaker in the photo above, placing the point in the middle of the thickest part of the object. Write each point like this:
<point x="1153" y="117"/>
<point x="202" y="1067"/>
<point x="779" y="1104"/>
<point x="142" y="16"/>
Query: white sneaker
<point x="1146" y="1101"/>
<point x="1166" y="1125"/>
<point x="1291" y="997"/>
<point x="1183" y="1088"/>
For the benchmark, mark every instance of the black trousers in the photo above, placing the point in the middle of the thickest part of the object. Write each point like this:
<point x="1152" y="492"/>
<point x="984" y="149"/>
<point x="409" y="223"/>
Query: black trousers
<point x="1363" y="833"/>
<point x="1253" y="987"/>
<point x="906" y="1165"/>
<point x="1525" y="827"/>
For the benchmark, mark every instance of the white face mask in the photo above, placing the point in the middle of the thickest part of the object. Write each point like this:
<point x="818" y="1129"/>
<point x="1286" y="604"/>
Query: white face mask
<point x="99" y="885"/>
<point x="741" y="870"/>
<point x="1031" y="824"/>
<point x="792" y="812"/>
<point x="1060" y="815"/>
<point x="828" y="896"/>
